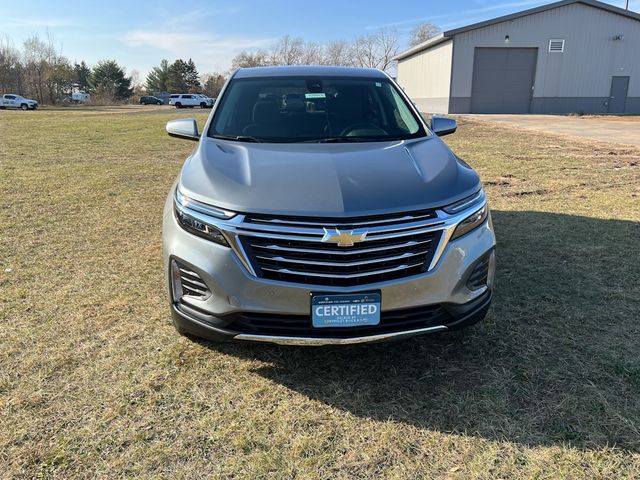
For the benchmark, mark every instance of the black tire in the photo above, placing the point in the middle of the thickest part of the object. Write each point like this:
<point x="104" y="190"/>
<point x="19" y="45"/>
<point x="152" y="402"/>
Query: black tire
<point x="203" y="105"/>
<point x="24" y="107"/>
<point x="159" y="102"/>
<point x="178" y="105"/>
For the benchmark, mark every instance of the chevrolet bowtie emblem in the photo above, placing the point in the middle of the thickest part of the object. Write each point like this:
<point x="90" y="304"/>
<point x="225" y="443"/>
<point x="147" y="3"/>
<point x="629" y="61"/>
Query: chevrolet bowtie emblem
<point x="345" y="238"/>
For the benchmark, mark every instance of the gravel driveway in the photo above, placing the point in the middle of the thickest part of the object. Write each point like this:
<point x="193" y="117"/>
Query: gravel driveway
<point x="622" y="130"/>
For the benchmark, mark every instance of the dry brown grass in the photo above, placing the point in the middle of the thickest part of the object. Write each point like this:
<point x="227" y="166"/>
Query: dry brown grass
<point x="94" y="381"/>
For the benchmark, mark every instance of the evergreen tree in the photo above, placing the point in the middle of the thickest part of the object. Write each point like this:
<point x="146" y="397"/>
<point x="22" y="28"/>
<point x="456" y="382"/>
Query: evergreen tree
<point x="183" y="77"/>
<point x="82" y="74"/>
<point x="108" y="76"/>
<point x="192" y="77"/>
<point x="157" y="79"/>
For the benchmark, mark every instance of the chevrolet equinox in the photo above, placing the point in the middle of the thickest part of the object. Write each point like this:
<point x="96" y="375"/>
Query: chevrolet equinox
<point x="319" y="207"/>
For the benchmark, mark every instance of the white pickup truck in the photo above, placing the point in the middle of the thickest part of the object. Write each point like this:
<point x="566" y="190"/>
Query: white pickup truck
<point x="190" y="100"/>
<point x="10" y="100"/>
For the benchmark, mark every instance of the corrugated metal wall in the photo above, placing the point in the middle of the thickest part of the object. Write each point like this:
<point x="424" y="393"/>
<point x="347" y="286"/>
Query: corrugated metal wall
<point x="426" y="77"/>
<point x="581" y="75"/>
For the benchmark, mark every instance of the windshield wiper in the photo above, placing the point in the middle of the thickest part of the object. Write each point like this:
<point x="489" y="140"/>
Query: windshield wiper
<point x="237" y="138"/>
<point x="351" y="139"/>
<point x="342" y="140"/>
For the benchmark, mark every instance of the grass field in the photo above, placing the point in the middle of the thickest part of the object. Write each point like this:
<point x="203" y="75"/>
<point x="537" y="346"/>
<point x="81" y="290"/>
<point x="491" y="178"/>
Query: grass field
<point x="95" y="382"/>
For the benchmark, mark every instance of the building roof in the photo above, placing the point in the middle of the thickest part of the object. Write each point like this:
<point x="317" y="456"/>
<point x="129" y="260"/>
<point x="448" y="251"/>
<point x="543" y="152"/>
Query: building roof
<point x="308" y="70"/>
<point x="444" y="36"/>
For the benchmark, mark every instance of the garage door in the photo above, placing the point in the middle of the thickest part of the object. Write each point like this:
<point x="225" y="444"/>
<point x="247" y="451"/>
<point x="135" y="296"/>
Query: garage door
<point x="503" y="80"/>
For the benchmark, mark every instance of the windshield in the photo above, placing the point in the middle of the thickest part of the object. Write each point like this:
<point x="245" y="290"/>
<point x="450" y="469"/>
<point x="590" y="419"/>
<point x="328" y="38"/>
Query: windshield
<point x="326" y="109"/>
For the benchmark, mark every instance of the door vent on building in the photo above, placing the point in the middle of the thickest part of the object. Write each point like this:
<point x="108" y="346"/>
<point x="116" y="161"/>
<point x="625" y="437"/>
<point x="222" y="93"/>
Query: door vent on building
<point x="556" y="45"/>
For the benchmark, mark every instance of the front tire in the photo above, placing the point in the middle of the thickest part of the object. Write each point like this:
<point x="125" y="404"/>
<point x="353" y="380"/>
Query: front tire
<point x="24" y="107"/>
<point x="158" y="102"/>
<point x="203" y="105"/>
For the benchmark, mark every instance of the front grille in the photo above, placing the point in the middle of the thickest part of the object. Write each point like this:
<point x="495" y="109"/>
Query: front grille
<point x="301" y="326"/>
<point x="292" y="250"/>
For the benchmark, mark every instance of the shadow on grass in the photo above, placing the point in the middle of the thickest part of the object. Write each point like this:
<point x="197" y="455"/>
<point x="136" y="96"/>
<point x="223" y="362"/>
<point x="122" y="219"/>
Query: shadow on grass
<point x="556" y="361"/>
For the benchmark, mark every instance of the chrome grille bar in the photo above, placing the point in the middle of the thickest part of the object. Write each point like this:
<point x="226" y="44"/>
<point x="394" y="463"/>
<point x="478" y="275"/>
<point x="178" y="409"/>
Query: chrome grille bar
<point x="335" y="251"/>
<point x="341" y="276"/>
<point x="341" y="264"/>
<point x="318" y="237"/>
<point x="342" y="223"/>
<point x="249" y="227"/>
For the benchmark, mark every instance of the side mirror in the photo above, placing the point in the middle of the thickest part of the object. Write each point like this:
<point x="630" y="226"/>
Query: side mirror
<point x="186" y="128"/>
<point x="443" y="126"/>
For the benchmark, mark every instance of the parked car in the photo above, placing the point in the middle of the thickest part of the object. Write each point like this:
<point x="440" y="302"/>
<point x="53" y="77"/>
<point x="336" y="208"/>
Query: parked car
<point x="190" y="100"/>
<point x="10" y="100"/>
<point x="151" y="100"/>
<point x="80" y="97"/>
<point x="208" y="100"/>
<point x="340" y="218"/>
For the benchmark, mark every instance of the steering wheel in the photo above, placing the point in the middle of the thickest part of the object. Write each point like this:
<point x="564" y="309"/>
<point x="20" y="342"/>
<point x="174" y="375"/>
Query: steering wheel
<point x="363" y="129"/>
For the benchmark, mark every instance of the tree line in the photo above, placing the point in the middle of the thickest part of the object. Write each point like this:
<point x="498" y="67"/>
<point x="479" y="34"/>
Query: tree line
<point x="375" y="50"/>
<point x="38" y="70"/>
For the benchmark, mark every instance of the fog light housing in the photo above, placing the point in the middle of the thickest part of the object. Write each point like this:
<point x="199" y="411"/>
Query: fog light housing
<point x="185" y="283"/>
<point x="483" y="272"/>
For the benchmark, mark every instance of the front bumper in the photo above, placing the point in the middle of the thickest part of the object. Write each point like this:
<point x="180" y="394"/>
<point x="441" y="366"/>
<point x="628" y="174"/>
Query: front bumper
<point x="474" y="312"/>
<point x="235" y="293"/>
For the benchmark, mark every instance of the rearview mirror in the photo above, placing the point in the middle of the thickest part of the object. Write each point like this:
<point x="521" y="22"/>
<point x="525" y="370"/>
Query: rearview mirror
<point x="186" y="128"/>
<point x="443" y="125"/>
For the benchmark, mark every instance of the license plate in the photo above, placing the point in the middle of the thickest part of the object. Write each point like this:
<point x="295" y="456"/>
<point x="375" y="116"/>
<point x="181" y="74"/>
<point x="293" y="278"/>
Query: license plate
<point x="355" y="310"/>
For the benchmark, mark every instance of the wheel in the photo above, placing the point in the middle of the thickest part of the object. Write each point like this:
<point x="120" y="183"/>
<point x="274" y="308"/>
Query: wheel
<point x="203" y="105"/>
<point x="178" y="105"/>
<point x="24" y="107"/>
<point x="159" y="102"/>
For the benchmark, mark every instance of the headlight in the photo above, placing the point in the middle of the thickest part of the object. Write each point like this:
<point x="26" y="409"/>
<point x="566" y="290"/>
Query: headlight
<point x="477" y="203"/>
<point x="197" y="218"/>
<point x="471" y="222"/>
<point x="478" y="198"/>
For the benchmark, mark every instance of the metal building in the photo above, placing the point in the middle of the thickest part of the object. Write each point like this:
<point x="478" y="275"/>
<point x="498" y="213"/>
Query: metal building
<point x="580" y="56"/>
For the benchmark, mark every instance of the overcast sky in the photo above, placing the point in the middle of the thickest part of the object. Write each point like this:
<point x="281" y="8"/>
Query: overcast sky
<point x="138" y="34"/>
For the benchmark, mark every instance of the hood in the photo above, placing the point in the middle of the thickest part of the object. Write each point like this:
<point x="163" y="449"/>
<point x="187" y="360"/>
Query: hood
<point x="335" y="179"/>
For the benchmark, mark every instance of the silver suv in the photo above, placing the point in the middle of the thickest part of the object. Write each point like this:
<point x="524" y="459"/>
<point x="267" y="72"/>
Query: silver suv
<point x="320" y="208"/>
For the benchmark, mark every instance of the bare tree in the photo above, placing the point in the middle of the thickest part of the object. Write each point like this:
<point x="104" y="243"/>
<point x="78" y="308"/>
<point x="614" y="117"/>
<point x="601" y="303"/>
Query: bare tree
<point x="36" y="55"/>
<point x="47" y="75"/>
<point x="288" y="51"/>
<point x="377" y="49"/>
<point x="10" y="67"/>
<point x="422" y="32"/>
<point x="338" y="52"/>
<point x="247" y="59"/>
<point x="212" y="84"/>
<point x="312" y="54"/>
